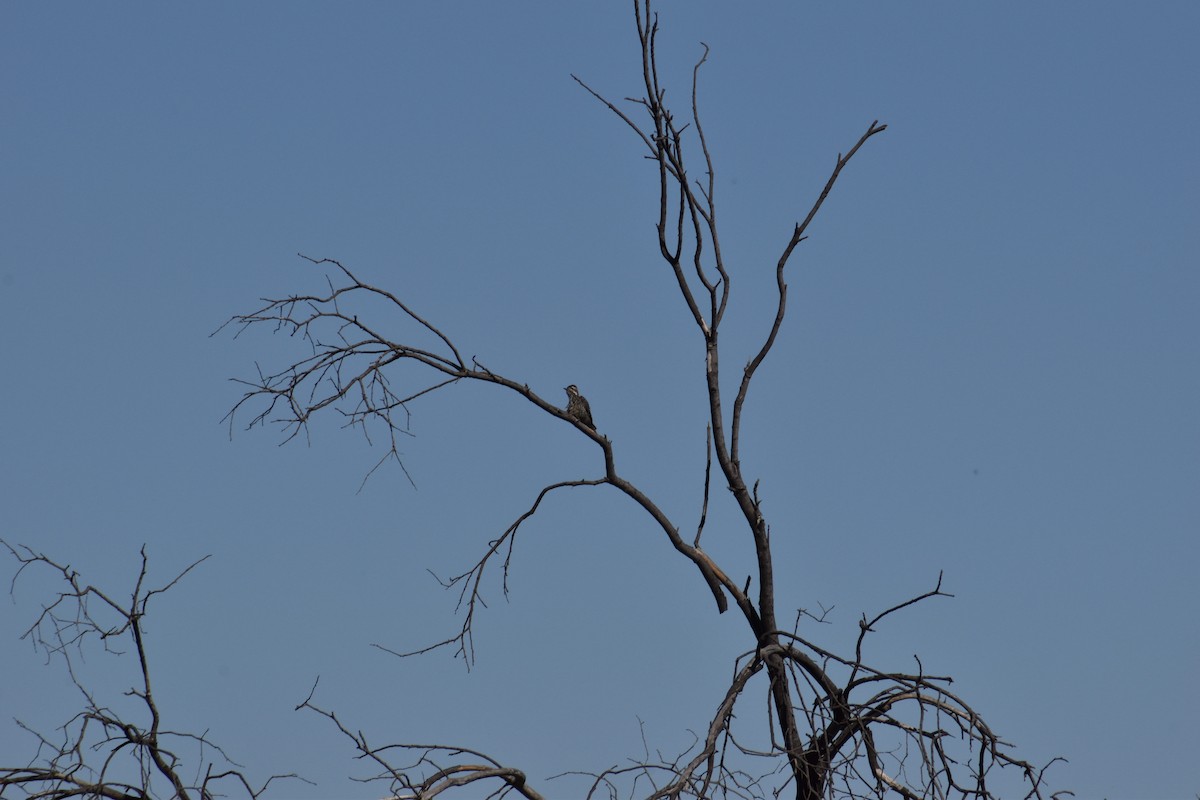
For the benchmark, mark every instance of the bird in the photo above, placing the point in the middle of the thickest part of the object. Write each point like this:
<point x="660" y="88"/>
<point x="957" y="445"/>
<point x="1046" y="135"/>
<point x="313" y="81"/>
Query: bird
<point x="578" y="408"/>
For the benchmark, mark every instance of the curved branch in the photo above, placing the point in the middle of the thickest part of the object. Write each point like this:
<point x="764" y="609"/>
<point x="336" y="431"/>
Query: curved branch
<point x="426" y="778"/>
<point x="707" y="756"/>
<point x="470" y="593"/>
<point x="797" y="237"/>
<point x="354" y="370"/>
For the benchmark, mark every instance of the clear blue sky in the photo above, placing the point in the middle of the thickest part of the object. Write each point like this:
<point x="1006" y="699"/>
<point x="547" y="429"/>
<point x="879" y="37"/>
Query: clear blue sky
<point x="990" y="368"/>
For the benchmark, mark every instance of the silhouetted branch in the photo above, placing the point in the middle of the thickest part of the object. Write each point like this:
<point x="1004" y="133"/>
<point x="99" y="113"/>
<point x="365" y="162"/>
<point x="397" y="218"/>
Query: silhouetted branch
<point x="469" y="582"/>
<point x="101" y="752"/>
<point x="781" y="286"/>
<point x="432" y="768"/>
<point x="356" y="372"/>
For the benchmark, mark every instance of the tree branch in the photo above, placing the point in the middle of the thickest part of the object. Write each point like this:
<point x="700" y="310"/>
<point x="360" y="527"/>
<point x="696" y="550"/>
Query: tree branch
<point x="101" y="753"/>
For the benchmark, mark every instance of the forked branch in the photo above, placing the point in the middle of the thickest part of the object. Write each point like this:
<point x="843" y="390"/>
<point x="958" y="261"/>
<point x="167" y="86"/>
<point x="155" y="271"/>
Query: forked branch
<point x="101" y="752"/>
<point x="353" y="368"/>
<point x="430" y="769"/>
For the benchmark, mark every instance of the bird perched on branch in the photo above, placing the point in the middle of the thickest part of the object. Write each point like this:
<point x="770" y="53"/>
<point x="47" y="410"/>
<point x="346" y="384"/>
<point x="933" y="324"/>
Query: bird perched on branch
<point x="578" y="408"/>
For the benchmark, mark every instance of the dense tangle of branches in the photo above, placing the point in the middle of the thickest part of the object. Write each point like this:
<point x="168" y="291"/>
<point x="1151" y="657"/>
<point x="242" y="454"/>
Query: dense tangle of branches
<point x="116" y="750"/>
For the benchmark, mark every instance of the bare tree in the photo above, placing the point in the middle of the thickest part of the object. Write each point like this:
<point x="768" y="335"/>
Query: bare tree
<point x="118" y="750"/>
<point x="838" y="726"/>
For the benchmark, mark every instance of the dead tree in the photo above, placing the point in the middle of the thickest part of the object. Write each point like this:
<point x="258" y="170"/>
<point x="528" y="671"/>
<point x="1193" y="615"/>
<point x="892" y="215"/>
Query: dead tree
<point x="839" y="727"/>
<point x="121" y="750"/>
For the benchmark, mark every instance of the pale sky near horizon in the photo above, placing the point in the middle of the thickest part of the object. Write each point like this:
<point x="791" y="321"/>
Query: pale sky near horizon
<point x="991" y="366"/>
